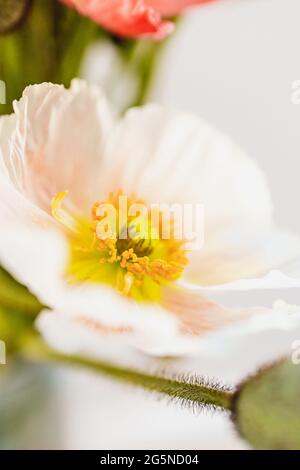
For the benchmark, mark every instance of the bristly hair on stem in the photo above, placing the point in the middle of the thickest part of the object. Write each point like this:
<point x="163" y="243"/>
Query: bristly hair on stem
<point x="194" y="392"/>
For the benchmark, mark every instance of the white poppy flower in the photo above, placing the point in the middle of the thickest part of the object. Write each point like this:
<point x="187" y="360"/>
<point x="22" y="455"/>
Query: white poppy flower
<point x="61" y="153"/>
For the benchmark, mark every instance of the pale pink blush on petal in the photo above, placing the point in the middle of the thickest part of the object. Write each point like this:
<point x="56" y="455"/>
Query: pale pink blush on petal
<point x="194" y="335"/>
<point x="43" y="159"/>
<point x="199" y="315"/>
<point x="245" y="258"/>
<point x="71" y="337"/>
<point x="209" y="329"/>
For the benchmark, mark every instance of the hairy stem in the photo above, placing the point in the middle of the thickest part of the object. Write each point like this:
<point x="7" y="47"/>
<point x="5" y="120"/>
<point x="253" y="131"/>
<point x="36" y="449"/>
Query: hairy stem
<point x="145" y="58"/>
<point x="196" y="393"/>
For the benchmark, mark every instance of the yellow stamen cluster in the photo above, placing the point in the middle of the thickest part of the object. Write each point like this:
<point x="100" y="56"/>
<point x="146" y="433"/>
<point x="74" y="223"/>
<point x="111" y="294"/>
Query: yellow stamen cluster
<point x="135" y="266"/>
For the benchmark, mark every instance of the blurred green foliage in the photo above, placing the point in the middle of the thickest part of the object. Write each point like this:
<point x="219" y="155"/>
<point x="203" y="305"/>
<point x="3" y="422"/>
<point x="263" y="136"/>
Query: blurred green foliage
<point x="18" y="310"/>
<point x="48" y="46"/>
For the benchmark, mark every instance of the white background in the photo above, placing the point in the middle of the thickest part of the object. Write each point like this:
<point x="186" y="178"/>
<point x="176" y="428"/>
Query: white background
<point x="233" y="63"/>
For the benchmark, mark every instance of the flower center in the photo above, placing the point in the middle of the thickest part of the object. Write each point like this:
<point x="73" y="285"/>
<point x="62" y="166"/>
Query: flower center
<point x="123" y="244"/>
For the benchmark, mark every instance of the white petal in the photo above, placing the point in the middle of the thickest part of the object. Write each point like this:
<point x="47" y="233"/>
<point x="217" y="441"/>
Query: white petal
<point x="188" y="326"/>
<point x="243" y="260"/>
<point x="154" y="153"/>
<point x="7" y="127"/>
<point x="219" y="333"/>
<point x="15" y="207"/>
<point x="153" y="331"/>
<point x="168" y="157"/>
<point x="249" y="345"/>
<point x="71" y="336"/>
<point x="38" y="259"/>
<point x="35" y="256"/>
<point x="58" y="141"/>
<point x="208" y="332"/>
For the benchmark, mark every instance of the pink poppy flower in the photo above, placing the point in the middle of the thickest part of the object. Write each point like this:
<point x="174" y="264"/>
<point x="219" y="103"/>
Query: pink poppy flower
<point x="134" y="18"/>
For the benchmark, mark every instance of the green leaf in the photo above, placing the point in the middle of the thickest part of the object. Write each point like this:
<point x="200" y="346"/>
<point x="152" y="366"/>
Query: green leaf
<point x="267" y="408"/>
<point x="13" y="13"/>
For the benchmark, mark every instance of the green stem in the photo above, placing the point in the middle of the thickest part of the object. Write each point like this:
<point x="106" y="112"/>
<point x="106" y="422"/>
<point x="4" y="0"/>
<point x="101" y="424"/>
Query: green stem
<point x="145" y="73"/>
<point x="140" y="59"/>
<point x="145" y="57"/>
<point x="196" y="394"/>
